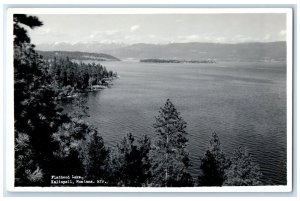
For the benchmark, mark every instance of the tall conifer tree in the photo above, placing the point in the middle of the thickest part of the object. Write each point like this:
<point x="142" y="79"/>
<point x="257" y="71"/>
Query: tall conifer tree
<point x="170" y="158"/>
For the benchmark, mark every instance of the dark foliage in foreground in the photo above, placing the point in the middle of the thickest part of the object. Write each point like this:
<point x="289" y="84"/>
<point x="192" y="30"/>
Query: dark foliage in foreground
<point x="20" y="31"/>
<point x="130" y="163"/>
<point x="243" y="170"/>
<point x="220" y="170"/>
<point x="169" y="156"/>
<point x="46" y="141"/>
<point x="213" y="164"/>
<point x="49" y="143"/>
<point x="212" y="175"/>
<point x="36" y="114"/>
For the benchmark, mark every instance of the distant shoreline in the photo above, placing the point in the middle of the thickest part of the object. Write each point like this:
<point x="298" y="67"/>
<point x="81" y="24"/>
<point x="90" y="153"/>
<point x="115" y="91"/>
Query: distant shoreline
<point x="211" y="61"/>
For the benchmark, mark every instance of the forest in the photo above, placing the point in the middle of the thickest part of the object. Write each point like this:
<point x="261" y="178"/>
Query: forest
<point x="70" y="77"/>
<point x="50" y="143"/>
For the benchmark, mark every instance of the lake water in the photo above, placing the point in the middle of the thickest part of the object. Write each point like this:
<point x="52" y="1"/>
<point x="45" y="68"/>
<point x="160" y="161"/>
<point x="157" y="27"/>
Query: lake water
<point x="245" y="103"/>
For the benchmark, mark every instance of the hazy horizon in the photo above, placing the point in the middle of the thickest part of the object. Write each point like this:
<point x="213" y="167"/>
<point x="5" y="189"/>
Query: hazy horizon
<point x="230" y="28"/>
<point x="127" y="44"/>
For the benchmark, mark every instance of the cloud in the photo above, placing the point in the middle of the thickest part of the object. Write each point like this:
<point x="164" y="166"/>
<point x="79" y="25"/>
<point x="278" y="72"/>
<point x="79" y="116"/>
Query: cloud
<point x="221" y="39"/>
<point x="134" y="28"/>
<point x="61" y="42"/>
<point x="267" y="37"/>
<point x="282" y="33"/>
<point x="203" y="38"/>
<point x="110" y="32"/>
<point x="189" y="38"/>
<point x="100" y="35"/>
<point x="193" y="37"/>
<point x="43" y="31"/>
<point x="239" y="38"/>
<point x="214" y="38"/>
<point x="104" y="33"/>
<point x="151" y="36"/>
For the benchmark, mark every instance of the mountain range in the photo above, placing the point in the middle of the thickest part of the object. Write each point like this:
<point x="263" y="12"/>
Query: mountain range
<point x="271" y="51"/>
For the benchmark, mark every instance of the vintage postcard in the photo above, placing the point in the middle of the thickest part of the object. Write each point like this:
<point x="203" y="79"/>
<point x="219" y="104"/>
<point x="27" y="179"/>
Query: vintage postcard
<point x="149" y="100"/>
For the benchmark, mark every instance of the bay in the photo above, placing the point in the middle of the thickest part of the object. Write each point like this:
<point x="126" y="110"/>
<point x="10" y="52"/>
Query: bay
<point x="243" y="102"/>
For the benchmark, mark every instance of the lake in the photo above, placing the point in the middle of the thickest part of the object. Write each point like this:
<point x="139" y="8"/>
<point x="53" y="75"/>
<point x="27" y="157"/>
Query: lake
<point x="244" y="102"/>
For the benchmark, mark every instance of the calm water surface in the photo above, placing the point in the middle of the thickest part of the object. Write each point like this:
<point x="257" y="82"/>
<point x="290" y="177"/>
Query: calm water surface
<point x="245" y="103"/>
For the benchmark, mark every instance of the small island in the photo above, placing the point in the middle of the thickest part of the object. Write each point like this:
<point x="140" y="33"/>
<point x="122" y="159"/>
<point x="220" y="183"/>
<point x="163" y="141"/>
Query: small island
<point x="211" y="61"/>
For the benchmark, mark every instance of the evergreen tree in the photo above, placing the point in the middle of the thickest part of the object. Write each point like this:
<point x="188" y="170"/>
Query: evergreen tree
<point x="211" y="173"/>
<point x="130" y="162"/>
<point x="46" y="141"/>
<point x="213" y="164"/>
<point x="96" y="159"/>
<point x="70" y="75"/>
<point x="19" y="31"/>
<point x="27" y="172"/>
<point x="36" y="112"/>
<point x="169" y="157"/>
<point x="80" y="145"/>
<point x="70" y="137"/>
<point x="215" y="148"/>
<point x="80" y="108"/>
<point x="243" y="171"/>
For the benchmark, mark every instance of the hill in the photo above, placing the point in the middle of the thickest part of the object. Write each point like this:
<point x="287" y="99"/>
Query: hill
<point x="272" y="51"/>
<point x="78" y="55"/>
<point x="81" y="47"/>
<point x="202" y="51"/>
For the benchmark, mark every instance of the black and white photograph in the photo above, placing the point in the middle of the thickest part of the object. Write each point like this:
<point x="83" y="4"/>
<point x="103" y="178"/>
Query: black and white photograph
<point x="152" y="98"/>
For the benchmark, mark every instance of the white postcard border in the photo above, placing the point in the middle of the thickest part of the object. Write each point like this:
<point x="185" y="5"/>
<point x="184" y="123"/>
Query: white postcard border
<point x="9" y="115"/>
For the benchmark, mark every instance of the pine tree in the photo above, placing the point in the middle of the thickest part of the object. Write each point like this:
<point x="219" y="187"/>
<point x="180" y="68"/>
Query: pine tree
<point x="213" y="164"/>
<point x="27" y="172"/>
<point x="130" y="162"/>
<point x="46" y="141"/>
<point x="169" y="157"/>
<point x="36" y="112"/>
<point x="19" y="31"/>
<point x="96" y="159"/>
<point x="211" y="173"/>
<point x="243" y="171"/>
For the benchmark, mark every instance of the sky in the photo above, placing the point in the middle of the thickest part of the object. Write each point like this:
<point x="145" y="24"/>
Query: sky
<point x="160" y="28"/>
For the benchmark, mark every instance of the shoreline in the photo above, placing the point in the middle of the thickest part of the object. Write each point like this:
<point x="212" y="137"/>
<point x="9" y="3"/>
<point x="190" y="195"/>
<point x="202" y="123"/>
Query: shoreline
<point x="69" y="92"/>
